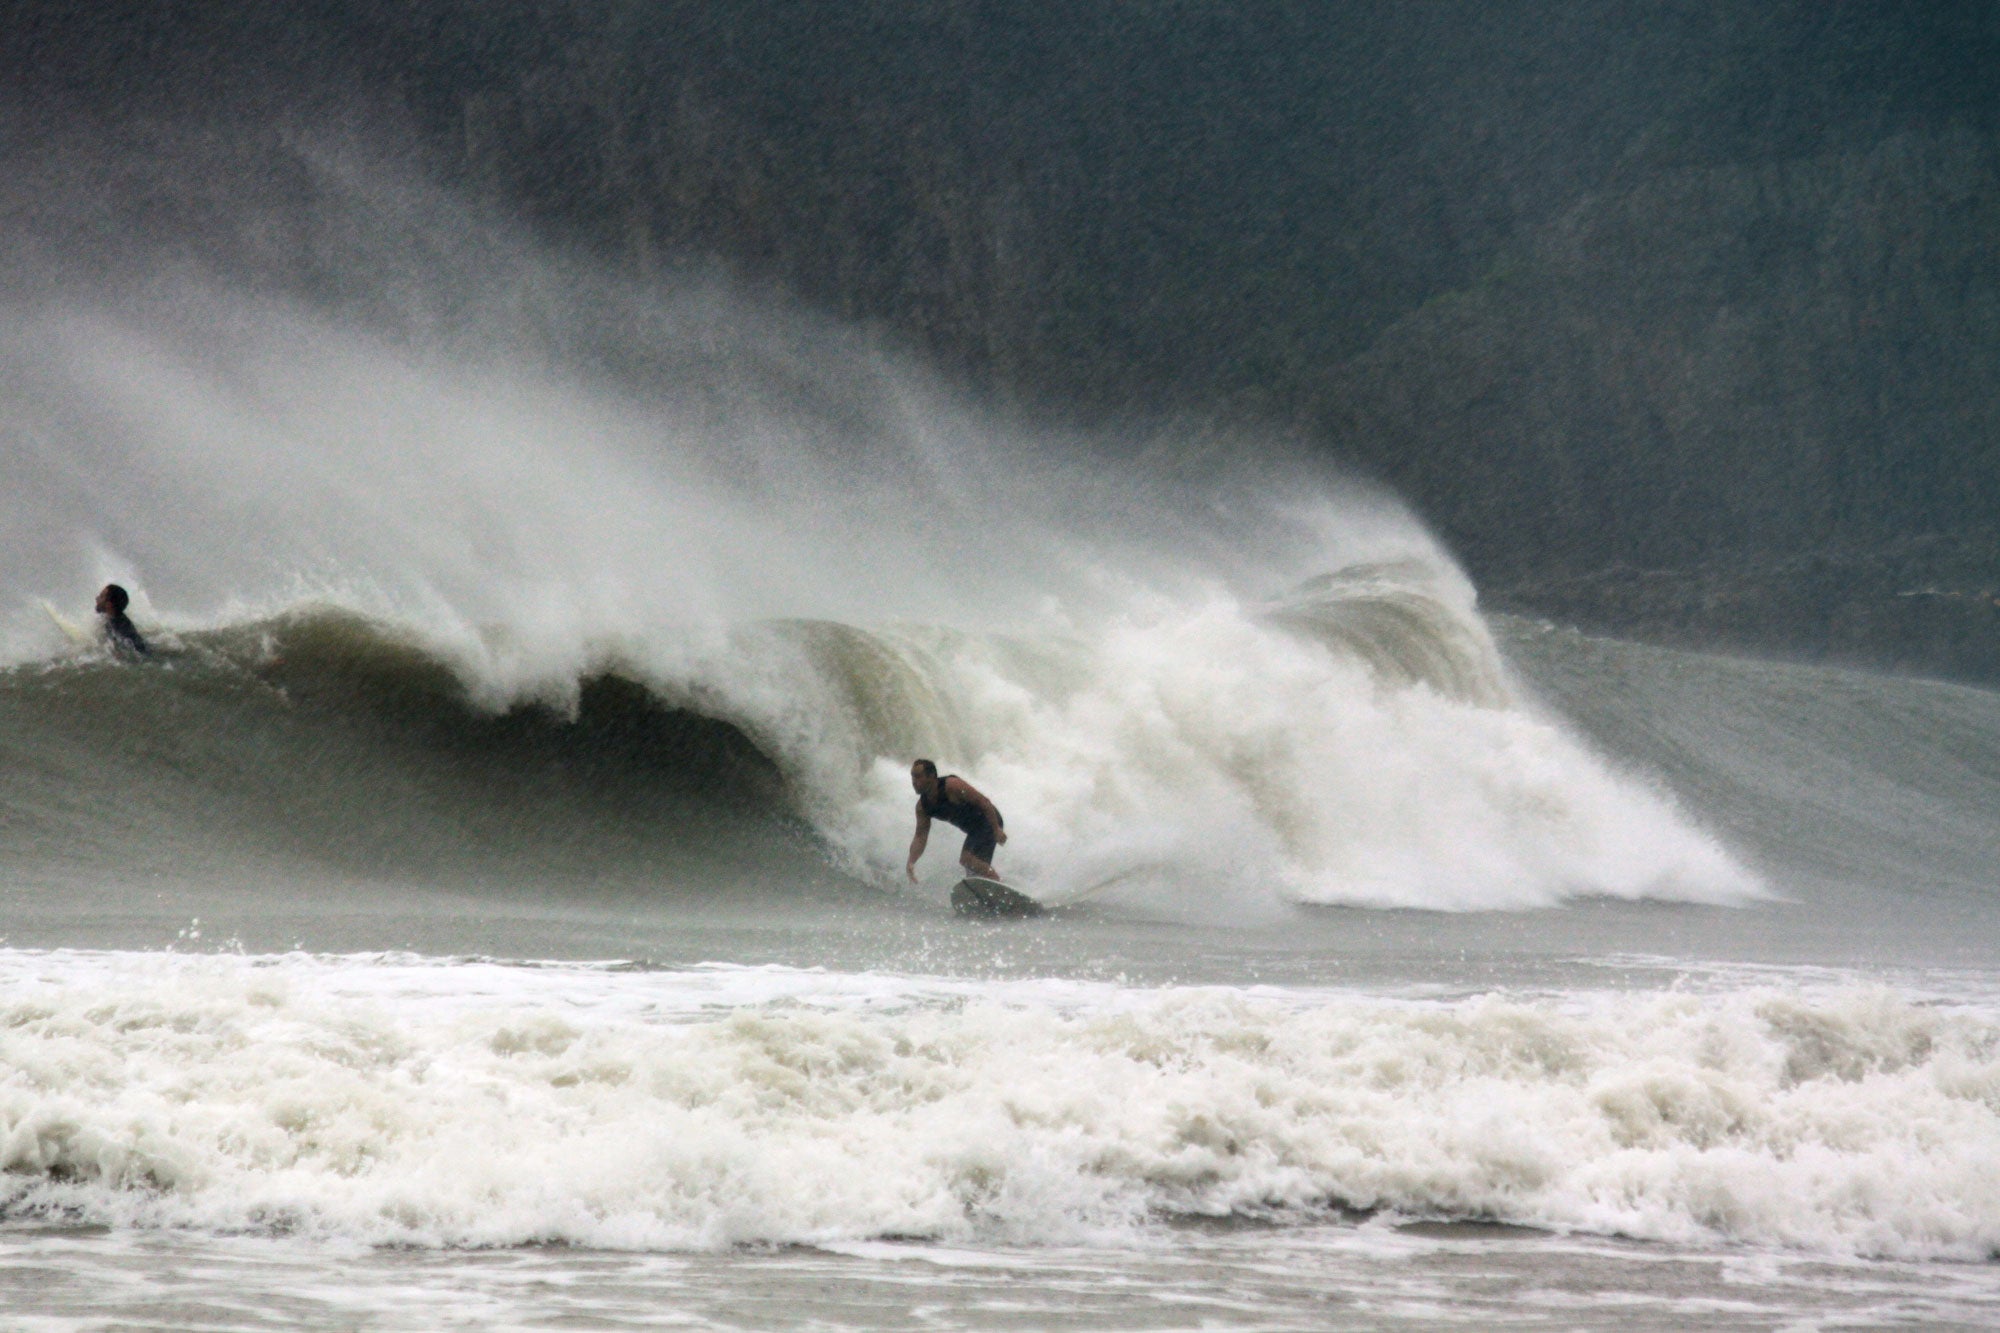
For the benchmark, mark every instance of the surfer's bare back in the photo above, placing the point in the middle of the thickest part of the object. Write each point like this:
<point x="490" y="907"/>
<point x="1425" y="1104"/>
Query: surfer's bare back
<point x="958" y="803"/>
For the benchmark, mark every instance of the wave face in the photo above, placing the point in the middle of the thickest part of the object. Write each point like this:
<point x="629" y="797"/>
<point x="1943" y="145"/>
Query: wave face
<point x="528" y="567"/>
<point x="1357" y="744"/>
<point x="418" y="1103"/>
<point x="1875" y="798"/>
<point x="323" y="741"/>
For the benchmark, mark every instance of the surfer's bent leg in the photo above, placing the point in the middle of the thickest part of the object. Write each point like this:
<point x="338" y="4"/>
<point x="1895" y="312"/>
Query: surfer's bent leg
<point x="977" y="855"/>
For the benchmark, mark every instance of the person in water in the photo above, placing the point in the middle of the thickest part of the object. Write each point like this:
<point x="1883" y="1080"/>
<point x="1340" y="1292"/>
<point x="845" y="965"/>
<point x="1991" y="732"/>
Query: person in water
<point x="958" y="803"/>
<point x="118" y="627"/>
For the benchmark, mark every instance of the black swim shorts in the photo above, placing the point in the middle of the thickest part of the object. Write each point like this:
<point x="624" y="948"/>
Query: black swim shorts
<point x="981" y="844"/>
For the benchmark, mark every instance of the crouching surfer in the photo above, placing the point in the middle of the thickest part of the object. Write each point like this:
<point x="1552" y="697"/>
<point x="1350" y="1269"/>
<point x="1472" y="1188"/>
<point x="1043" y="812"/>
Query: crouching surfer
<point x="958" y="803"/>
<point x="119" y="631"/>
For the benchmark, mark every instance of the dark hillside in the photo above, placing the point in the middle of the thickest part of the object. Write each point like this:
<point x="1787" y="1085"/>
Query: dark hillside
<point x="1689" y="288"/>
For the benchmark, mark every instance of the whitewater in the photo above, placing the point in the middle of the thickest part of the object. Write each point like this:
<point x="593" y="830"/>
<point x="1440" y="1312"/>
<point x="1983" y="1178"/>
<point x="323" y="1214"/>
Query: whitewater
<point x="487" y="908"/>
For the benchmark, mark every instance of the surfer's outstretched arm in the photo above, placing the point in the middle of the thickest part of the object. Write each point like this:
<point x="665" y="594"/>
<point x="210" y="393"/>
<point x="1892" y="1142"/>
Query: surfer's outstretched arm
<point x="917" y="843"/>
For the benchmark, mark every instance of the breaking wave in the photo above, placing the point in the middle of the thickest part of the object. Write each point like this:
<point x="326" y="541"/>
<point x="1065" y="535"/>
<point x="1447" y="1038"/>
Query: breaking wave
<point x="562" y="569"/>
<point x="404" y="1102"/>
<point x="1356" y="743"/>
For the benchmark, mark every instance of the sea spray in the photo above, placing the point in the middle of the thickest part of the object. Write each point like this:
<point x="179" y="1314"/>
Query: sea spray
<point x="1213" y="681"/>
<point x="1207" y="750"/>
<point x="1208" y="667"/>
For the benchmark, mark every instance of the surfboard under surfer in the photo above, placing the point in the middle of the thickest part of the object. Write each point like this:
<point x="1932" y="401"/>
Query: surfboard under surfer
<point x="118" y="627"/>
<point x="960" y="804"/>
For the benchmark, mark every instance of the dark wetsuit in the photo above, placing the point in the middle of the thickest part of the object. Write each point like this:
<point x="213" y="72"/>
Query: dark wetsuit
<point x="979" y="834"/>
<point x="124" y="635"/>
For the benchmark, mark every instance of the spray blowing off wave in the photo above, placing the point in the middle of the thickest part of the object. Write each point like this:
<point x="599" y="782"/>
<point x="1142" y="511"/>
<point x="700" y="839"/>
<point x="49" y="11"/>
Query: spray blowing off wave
<point x="1357" y="744"/>
<point x="1221" y="679"/>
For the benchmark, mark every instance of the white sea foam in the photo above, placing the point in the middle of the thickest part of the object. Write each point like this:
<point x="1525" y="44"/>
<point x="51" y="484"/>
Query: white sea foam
<point x="412" y="1102"/>
<point x="1196" y="752"/>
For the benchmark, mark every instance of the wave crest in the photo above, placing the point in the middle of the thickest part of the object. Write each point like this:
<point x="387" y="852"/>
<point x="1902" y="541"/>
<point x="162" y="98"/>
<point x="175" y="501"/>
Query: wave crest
<point x="1355" y="742"/>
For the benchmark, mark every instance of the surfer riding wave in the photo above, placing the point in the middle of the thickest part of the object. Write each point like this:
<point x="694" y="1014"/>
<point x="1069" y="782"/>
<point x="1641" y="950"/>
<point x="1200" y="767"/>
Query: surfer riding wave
<point x="960" y="804"/>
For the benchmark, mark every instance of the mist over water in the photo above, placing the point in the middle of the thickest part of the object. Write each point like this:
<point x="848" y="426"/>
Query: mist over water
<point x="508" y="612"/>
<point x="1201" y="667"/>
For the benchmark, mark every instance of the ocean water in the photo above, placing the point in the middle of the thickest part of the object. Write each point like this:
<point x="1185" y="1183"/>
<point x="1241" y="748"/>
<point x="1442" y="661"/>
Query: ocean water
<point x="486" y="908"/>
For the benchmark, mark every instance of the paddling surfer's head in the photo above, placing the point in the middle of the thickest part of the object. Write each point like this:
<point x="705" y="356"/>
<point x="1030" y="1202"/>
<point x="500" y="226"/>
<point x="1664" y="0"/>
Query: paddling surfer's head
<point x="111" y="603"/>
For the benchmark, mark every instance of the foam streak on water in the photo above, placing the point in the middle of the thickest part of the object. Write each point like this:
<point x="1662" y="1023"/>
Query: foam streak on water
<point x="1377" y="1275"/>
<point x="383" y="1100"/>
